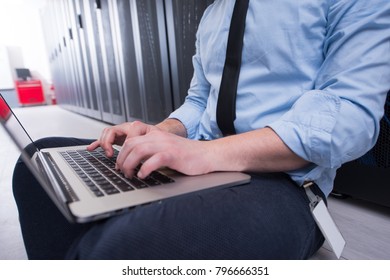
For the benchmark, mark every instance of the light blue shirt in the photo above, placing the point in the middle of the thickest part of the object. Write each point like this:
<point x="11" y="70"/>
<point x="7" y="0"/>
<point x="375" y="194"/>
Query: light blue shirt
<point x="316" y="72"/>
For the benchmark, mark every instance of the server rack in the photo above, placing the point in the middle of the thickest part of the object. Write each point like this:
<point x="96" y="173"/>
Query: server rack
<point x="81" y="79"/>
<point x="85" y="63"/>
<point x="153" y="62"/>
<point x="118" y="60"/>
<point x="142" y="47"/>
<point x="183" y="18"/>
<point x="75" y="99"/>
<point x="127" y="56"/>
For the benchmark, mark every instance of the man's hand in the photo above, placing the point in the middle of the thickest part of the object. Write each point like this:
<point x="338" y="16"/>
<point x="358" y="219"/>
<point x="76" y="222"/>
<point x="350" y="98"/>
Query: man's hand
<point x="157" y="146"/>
<point x="116" y="135"/>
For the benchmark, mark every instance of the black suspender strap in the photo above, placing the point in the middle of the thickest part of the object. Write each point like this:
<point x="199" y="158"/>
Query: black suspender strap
<point x="226" y="105"/>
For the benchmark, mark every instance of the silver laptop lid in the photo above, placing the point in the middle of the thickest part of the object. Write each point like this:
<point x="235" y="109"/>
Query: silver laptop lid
<point x="13" y="126"/>
<point x="21" y="138"/>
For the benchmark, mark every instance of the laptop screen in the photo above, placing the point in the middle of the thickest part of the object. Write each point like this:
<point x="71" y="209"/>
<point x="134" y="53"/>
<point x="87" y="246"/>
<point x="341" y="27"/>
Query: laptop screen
<point x="4" y="110"/>
<point x="11" y="123"/>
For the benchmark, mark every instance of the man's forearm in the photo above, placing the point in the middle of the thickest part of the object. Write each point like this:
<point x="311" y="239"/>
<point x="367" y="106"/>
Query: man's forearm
<point x="257" y="151"/>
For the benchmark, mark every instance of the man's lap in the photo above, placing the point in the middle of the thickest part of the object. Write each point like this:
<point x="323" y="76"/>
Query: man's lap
<point x="234" y="223"/>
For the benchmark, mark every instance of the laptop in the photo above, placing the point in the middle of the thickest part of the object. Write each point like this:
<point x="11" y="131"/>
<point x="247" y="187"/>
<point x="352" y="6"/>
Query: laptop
<point x="85" y="186"/>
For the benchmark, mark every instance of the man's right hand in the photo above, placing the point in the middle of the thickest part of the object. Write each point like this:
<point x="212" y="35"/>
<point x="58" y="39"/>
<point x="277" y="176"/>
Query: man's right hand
<point x="117" y="135"/>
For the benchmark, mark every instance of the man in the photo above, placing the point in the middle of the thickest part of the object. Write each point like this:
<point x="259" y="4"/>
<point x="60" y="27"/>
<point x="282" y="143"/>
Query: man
<point x="310" y="95"/>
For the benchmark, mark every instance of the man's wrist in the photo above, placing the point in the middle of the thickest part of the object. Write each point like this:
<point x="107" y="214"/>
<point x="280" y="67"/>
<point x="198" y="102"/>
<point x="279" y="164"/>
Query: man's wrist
<point x="173" y="126"/>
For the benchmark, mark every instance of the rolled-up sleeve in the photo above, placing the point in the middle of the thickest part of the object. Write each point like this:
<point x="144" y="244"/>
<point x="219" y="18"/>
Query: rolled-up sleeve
<point x="338" y="121"/>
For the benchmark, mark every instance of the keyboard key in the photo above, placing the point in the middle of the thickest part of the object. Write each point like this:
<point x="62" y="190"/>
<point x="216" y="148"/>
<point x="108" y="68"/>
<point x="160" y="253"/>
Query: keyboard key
<point x="161" y="177"/>
<point x="100" y="176"/>
<point x="150" y="181"/>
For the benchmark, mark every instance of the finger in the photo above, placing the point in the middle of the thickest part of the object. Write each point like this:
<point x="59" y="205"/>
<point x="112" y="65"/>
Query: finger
<point x="137" y="128"/>
<point x="154" y="163"/>
<point x="107" y="139"/>
<point x="97" y="144"/>
<point x="125" y="161"/>
<point x="132" y="154"/>
<point x="93" y="145"/>
<point x="129" y="165"/>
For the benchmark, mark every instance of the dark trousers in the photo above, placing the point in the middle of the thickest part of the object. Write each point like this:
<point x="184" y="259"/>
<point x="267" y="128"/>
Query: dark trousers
<point x="268" y="218"/>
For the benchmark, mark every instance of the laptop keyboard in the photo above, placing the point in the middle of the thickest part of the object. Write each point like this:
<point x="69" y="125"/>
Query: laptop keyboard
<point x="99" y="174"/>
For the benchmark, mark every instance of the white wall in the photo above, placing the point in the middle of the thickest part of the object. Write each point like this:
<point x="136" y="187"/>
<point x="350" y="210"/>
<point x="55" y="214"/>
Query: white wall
<point x="6" y="80"/>
<point x="20" y="27"/>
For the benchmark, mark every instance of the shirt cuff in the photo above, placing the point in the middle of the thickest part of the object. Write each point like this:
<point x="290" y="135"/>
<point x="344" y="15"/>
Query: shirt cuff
<point x="307" y="128"/>
<point x="189" y="116"/>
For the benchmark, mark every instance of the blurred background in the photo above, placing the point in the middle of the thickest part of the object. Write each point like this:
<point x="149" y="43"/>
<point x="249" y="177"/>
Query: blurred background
<point x="22" y="44"/>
